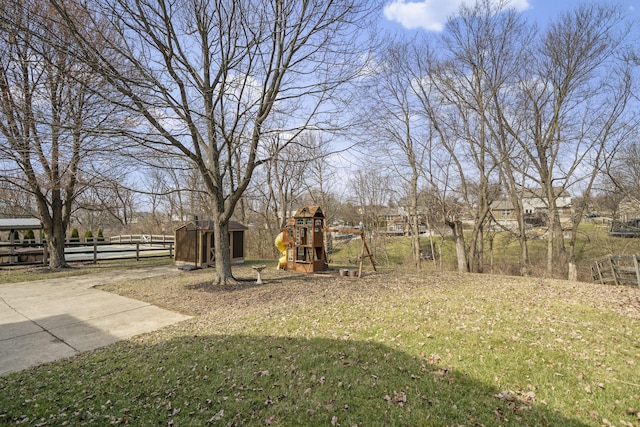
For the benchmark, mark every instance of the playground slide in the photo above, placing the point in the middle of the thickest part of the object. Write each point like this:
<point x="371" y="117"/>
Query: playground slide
<point x="282" y="262"/>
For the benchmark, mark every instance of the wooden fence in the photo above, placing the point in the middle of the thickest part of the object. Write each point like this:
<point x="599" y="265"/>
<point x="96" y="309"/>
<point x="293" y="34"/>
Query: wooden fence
<point x="36" y="253"/>
<point x="617" y="270"/>
<point x="142" y="238"/>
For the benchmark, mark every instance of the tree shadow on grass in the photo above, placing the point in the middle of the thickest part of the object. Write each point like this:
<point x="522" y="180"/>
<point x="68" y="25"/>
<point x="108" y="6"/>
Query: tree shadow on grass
<point x="246" y="380"/>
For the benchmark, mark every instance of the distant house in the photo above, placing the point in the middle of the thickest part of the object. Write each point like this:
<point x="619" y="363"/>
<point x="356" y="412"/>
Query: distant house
<point x="534" y="201"/>
<point x="396" y="221"/>
<point x="503" y="212"/>
<point x="628" y="209"/>
<point x="393" y="221"/>
<point x="535" y="206"/>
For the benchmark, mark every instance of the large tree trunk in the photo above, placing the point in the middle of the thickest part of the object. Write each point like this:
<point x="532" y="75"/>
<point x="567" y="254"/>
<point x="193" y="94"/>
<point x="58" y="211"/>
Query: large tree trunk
<point x="524" y="252"/>
<point x="458" y="237"/>
<point x="54" y="224"/>
<point x="223" y="273"/>
<point x="476" y="249"/>
<point x="556" y="251"/>
<point x="415" y="240"/>
<point x="414" y="222"/>
<point x="549" y="246"/>
<point x="56" y="237"/>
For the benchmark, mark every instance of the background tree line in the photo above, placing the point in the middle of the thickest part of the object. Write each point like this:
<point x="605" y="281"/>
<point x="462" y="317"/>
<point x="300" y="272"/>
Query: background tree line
<point x="248" y="109"/>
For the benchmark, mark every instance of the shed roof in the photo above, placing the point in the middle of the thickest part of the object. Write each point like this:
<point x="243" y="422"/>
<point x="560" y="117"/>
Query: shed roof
<point x="20" y="224"/>
<point x="207" y="225"/>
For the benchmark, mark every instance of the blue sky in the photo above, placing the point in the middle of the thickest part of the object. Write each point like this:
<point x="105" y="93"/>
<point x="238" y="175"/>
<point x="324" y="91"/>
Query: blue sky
<point x="430" y="15"/>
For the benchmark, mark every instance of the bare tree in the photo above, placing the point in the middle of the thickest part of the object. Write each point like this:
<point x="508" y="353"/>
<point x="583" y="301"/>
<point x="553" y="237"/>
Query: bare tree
<point x="457" y="87"/>
<point x="622" y="170"/>
<point x="209" y="77"/>
<point x="442" y="170"/>
<point x="575" y="95"/>
<point x="15" y="202"/>
<point x="372" y="191"/>
<point x="322" y="182"/>
<point x="285" y="175"/>
<point x="51" y="121"/>
<point x="112" y="197"/>
<point x="402" y="139"/>
<point x="508" y="125"/>
<point x="281" y="184"/>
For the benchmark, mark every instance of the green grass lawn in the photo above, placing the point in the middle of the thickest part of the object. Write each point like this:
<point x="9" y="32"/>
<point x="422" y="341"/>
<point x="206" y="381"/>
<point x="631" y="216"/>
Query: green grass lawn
<point x="23" y="273"/>
<point x="592" y="244"/>
<point x="392" y="348"/>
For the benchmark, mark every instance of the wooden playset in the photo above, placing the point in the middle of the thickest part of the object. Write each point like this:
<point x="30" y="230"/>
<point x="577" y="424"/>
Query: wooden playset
<point x="301" y="243"/>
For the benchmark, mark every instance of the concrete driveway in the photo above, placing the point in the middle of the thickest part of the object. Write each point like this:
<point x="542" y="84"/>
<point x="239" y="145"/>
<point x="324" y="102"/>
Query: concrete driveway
<point x="46" y="320"/>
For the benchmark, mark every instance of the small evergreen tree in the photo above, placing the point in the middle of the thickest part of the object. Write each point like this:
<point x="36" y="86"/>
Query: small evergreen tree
<point x="75" y="236"/>
<point x="88" y="236"/>
<point x="100" y="235"/>
<point x="28" y="237"/>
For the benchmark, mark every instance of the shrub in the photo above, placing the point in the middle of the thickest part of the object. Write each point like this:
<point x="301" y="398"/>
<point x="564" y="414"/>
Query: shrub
<point x="29" y="236"/>
<point x="100" y="235"/>
<point x="88" y="236"/>
<point x="75" y="236"/>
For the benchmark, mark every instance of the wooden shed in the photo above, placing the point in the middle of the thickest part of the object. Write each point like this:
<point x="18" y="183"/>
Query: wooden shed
<point x="194" y="244"/>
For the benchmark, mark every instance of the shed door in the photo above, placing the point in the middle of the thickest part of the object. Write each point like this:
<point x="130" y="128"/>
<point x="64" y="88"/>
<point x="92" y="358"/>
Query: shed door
<point x="186" y="245"/>
<point x="238" y="244"/>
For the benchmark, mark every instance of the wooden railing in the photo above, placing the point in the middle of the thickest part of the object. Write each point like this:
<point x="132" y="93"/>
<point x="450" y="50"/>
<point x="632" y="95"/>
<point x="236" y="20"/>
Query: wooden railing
<point x="142" y="238"/>
<point x="36" y="253"/>
<point x="617" y="270"/>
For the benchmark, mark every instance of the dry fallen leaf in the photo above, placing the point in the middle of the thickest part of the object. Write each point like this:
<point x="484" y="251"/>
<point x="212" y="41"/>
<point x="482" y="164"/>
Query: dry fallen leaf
<point x="217" y="417"/>
<point x="398" y="397"/>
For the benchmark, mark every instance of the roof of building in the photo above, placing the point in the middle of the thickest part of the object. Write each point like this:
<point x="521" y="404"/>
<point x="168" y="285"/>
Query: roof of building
<point x="501" y="205"/>
<point x="207" y="225"/>
<point x="539" y="193"/>
<point x="309" y="212"/>
<point x="20" y="224"/>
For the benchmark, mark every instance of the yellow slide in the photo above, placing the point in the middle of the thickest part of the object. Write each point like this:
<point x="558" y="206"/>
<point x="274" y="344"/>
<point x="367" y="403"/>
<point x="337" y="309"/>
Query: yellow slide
<point x="282" y="262"/>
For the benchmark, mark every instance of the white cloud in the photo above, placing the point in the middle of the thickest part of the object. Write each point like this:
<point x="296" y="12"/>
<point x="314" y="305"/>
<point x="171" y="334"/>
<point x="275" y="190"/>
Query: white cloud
<point x="432" y="15"/>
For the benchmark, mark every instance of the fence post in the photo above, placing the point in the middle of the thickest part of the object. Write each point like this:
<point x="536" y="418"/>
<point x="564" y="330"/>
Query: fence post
<point x="170" y="249"/>
<point x="614" y="273"/>
<point x="95" y="252"/>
